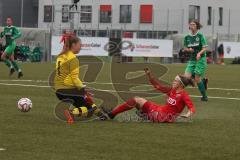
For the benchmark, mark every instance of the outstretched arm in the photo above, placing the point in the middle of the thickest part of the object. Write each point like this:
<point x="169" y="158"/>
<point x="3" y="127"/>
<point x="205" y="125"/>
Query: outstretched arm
<point x="17" y="34"/>
<point x="156" y="84"/>
<point x="189" y="104"/>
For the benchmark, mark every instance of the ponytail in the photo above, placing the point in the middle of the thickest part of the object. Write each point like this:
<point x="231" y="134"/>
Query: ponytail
<point x="70" y="40"/>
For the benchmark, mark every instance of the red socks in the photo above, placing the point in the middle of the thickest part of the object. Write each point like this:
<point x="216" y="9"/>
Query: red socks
<point x="89" y="99"/>
<point x="129" y="104"/>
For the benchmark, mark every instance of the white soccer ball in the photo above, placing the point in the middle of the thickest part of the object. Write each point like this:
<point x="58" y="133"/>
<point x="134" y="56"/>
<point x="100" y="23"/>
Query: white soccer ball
<point x="24" y="104"/>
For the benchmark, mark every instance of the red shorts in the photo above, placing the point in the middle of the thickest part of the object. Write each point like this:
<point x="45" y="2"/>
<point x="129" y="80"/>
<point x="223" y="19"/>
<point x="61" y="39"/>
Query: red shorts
<point x="157" y="113"/>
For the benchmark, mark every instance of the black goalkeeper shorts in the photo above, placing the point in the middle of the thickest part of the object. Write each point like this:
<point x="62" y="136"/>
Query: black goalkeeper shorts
<point x="75" y="95"/>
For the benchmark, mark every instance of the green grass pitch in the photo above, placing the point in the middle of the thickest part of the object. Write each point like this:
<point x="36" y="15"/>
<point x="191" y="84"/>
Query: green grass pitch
<point x="214" y="132"/>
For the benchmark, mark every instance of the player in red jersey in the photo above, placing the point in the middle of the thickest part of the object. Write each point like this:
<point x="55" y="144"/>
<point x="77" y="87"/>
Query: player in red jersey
<point x="177" y="99"/>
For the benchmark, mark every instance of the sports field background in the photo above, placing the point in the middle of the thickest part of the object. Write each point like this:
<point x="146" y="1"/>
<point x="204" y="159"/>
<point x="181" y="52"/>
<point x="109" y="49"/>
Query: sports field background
<point x="38" y="135"/>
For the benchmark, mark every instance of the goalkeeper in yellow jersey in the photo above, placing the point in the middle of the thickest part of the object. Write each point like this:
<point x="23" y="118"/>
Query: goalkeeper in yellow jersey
<point x="68" y="86"/>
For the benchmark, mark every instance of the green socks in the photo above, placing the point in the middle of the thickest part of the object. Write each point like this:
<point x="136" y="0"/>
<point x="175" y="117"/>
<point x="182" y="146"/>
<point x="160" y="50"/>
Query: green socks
<point x="201" y="88"/>
<point x="8" y="63"/>
<point x="12" y="65"/>
<point x="16" y="67"/>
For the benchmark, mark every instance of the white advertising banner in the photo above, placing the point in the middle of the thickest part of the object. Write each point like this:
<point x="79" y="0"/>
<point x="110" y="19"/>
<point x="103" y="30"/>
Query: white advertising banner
<point x="147" y="47"/>
<point x="231" y="49"/>
<point x="91" y="46"/>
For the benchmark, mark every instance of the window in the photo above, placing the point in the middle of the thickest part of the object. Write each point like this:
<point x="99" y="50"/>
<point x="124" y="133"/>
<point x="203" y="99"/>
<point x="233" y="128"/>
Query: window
<point x="102" y="33"/>
<point x="85" y="33"/>
<point x="146" y="13"/>
<point x="65" y="13"/>
<point x="115" y="34"/>
<point x="48" y="13"/>
<point x="105" y="14"/>
<point x="86" y="14"/>
<point x="209" y="22"/>
<point x="142" y="34"/>
<point x="194" y="13"/>
<point x="125" y="13"/>
<point x="220" y="16"/>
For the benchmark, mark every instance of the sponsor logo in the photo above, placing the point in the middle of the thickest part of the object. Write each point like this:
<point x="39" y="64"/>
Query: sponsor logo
<point x="172" y="101"/>
<point x="91" y="45"/>
<point x="193" y="45"/>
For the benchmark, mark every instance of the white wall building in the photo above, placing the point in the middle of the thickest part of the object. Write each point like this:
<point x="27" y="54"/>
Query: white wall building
<point x="144" y="18"/>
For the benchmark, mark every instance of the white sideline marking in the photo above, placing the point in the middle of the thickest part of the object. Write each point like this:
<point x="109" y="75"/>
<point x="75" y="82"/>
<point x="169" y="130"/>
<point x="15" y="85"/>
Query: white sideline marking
<point x="43" y="81"/>
<point x="2" y="149"/>
<point x="24" y="80"/>
<point x="24" y="85"/>
<point x="221" y="89"/>
<point x="38" y="86"/>
<point x="195" y="96"/>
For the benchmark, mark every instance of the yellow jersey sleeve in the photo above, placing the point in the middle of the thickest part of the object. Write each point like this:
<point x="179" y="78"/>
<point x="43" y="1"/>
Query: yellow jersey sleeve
<point x="74" y="73"/>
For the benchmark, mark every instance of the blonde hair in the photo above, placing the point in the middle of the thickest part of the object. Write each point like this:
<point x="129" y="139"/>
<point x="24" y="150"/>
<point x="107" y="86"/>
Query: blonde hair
<point x="69" y="42"/>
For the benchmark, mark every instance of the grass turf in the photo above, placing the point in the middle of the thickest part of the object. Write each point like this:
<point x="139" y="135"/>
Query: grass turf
<point x="213" y="133"/>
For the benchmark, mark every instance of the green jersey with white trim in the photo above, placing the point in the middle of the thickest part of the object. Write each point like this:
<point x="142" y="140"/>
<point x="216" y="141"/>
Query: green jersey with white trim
<point x="11" y="33"/>
<point x="196" y="42"/>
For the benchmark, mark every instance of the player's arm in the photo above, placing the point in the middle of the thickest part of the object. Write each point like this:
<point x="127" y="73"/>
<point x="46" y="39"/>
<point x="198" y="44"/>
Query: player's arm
<point x="199" y="55"/>
<point x="74" y="73"/>
<point x="204" y="47"/>
<point x="186" y="48"/>
<point x="2" y="34"/>
<point x="156" y="84"/>
<point x="190" y="106"/>
<point x="16" y="34"/>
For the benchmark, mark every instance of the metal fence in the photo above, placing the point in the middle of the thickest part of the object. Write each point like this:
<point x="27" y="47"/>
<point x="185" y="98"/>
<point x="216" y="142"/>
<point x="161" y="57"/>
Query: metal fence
<point x="164" y="22"/>
<point x="218" y="25"/>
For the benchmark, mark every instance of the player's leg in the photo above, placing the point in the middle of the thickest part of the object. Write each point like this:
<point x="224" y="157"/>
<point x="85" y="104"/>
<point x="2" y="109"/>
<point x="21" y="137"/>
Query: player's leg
<point x="136" y="102"/>
<point x="4" y="58"/>
<point x="153" y="112"/>
<point x="83" y="108"/>
<point x="12" y="59"/>
<point x="205" y="82"/>
<point x="201" y="87"/>
<point x="16" y="66"/>
<point x="83" y="103"/>
<point x="199" y="73"/>
<point x="189" y="71"/>
<point x="70" y="95"/>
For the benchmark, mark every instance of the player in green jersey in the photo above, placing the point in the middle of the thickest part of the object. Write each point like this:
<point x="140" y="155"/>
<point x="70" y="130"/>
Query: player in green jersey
<point x="196" y="45"/>
<point x="11" y="33"/>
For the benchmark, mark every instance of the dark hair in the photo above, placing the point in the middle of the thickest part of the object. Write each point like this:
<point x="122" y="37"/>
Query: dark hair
<point x="69" y="42"/>
<point x="198" y="24"/>
<point x="187" y="81"/>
